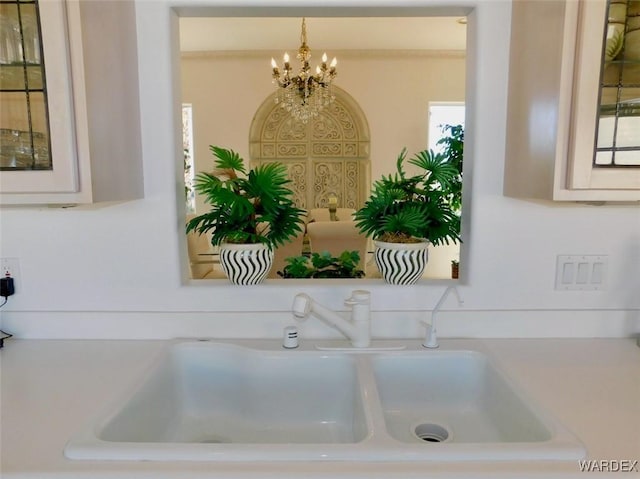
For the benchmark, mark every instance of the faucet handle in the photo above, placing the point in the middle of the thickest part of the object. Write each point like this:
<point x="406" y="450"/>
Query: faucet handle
<point x="358" y="296"/>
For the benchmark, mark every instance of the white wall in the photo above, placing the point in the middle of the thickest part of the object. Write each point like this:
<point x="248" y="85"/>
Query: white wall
<point x="116" y="270"/>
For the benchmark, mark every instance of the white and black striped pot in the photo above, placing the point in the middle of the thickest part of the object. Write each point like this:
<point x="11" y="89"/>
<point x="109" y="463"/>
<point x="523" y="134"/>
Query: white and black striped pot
<point x="246" y="264"/>
<point x="401" y="263"/>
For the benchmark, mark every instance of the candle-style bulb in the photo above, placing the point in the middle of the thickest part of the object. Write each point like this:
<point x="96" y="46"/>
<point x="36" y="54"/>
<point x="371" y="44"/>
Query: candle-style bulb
<point x="334" y="62"/>
<point x="286" y="57"/>
<point x="324" y="58"/>
<point x="273" y="63"/>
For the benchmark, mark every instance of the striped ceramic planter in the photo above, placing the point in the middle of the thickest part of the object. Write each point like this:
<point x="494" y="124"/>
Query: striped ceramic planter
<point x="246" y="264"/>
<point x="401" y="263"/>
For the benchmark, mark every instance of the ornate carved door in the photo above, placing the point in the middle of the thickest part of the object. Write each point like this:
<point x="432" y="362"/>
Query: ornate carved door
<point x="327" y="156"/>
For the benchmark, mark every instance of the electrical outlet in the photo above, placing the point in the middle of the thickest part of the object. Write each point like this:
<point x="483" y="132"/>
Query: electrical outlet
<point x="581" y="272"/>
<point x="11" y="266"/>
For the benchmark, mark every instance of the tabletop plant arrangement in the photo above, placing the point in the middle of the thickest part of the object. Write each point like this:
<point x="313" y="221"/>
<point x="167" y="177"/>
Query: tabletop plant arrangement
<point x="323" y="265"/>
<point x="252" y="212"/>
<point x="404" y="214"/>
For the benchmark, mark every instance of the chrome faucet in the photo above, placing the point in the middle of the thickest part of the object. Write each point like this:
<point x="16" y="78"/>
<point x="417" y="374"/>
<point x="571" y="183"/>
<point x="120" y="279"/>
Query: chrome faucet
<point x="431" y="338"/>
<point x="357" y="329"/>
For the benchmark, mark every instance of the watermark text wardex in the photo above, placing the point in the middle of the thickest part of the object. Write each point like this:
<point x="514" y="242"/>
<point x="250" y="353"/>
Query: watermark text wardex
<point x="608" y="465"/>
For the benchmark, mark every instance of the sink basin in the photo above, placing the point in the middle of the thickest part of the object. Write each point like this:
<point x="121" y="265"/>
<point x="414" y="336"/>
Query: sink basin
<point x="232" y="395"/>
<point x="218" y="401"/>
<point x="202" y="394"/>
<point x="453" y="397"/>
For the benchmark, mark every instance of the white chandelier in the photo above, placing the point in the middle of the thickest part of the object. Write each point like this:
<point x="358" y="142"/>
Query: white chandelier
<point x="304" y="95"/>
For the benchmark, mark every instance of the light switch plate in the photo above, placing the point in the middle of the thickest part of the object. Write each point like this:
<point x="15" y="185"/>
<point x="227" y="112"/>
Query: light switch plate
<point x="581" y="272"/>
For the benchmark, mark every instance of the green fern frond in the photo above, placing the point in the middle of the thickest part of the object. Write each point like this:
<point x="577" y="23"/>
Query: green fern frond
<point x="268" y="182"/>
<point x="400" y="163"/>
<point x="410" y="221"/>
<point x="206" y="184"/>
<point x="227" y="159"/>
<point x="438" y="168"/>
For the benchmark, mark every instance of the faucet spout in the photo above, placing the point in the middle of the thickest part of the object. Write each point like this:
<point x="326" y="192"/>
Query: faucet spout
<point x="431" y="339"/>
<point x="356" y="329"/>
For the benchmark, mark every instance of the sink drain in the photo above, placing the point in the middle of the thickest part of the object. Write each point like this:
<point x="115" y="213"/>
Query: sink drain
<point x="431" y="433"/>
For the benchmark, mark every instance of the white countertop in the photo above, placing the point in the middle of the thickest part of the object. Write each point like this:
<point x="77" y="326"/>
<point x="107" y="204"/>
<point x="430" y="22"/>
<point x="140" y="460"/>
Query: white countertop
<point x="51" y="388"/>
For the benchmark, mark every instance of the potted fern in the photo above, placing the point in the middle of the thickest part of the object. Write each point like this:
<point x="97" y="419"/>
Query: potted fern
<point x="251" y="214"/>
<point x="404" y="214"/>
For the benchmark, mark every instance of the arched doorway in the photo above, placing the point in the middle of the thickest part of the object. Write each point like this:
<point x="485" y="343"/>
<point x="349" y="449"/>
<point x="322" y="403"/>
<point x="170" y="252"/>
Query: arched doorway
<point x="327" y="156"/>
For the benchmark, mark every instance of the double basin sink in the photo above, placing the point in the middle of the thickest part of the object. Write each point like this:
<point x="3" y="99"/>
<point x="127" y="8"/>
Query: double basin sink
<point x="218" y="401"/>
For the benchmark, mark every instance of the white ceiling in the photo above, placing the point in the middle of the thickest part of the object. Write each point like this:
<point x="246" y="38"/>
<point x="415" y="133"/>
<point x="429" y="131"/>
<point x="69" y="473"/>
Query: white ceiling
<point x="371" y="33"/>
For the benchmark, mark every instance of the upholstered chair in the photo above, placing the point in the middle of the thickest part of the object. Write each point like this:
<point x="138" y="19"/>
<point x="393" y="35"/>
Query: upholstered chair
<point x="336" y="237"/>
<point x="292" y="248"/>
<point x="200" y="264"/>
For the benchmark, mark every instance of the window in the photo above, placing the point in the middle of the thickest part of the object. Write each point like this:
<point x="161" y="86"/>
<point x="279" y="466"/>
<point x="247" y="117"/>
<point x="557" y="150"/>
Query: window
<point x="187" y="148"/>
<point x="24" y="122"/>
<point x="440" y="114"/>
